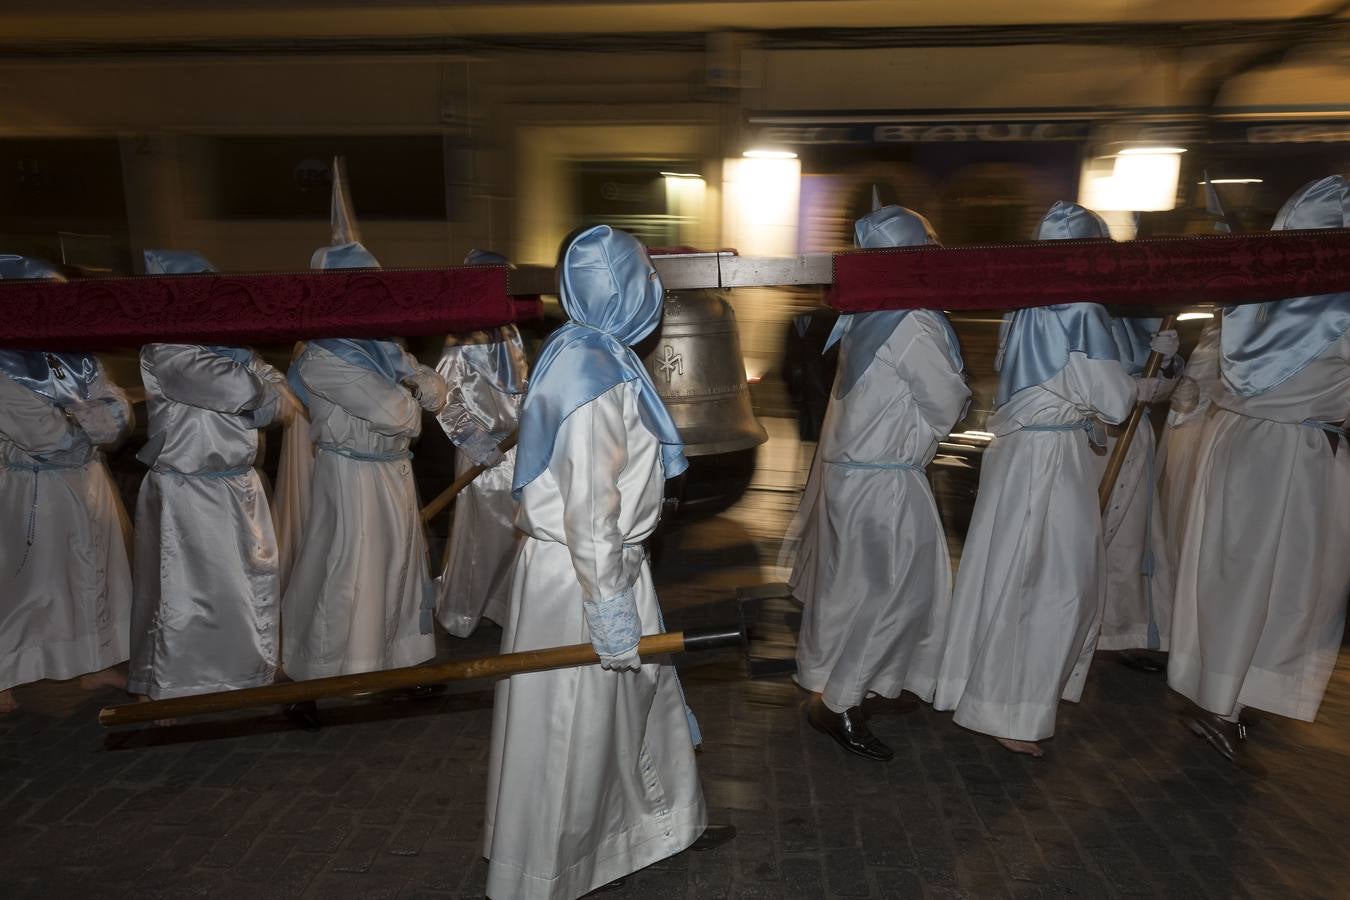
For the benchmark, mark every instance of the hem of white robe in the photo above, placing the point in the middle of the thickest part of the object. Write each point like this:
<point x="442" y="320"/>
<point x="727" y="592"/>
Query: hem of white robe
<point x="818" y="681"/>
<point x="401" y="653"/>
<point x="1011" y="721"/>
<point x="156" y="691"/>
<point x="621" y="854"/>
<point x="1130" y="640"/>
<point x="38" y="662"/>
<point x="1273" y="692"/>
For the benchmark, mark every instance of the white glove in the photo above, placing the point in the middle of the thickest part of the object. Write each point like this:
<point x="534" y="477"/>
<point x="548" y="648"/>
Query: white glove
<point x="628" y="662"/>
<point x="1187" y="396"/>
<point x="1167" y="343"/>
<point x="428" y="388"/>
<point x="1147" y="388"/>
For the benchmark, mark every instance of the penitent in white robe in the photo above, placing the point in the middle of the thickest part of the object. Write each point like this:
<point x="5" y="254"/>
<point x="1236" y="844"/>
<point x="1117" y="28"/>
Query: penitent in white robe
<point x="476" y="581"/>
<point x="1264" y="571"/>
<point x="65" y="600"/>
<point x="591" y="774"/>
<point x="1179" y="448"/>
<point x="207" y="599"/>
<point x="1028" y="599"/>
<point x="1138" y="609"/>
<point x="876" y="582"/>
<point x="354" y="600"/>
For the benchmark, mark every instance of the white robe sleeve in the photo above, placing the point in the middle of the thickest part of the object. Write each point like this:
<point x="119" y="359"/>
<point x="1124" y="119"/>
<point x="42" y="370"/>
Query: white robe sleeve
<point x="590" y="453"/>
<point x="197" y="377"/>
<point x="386" y="408"/>
<point x="457" y="420"/>
<point x="1098" y="387"/>
<point x="940" y="392"/>
<point x="32" y="422"/>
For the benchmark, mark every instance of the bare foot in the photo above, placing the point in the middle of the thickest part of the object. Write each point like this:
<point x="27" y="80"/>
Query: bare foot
<point x="110" y="677"/>
<point x="7" y="702"/>
<point x="1030" y="748"/>
<point x="141" y="698"/>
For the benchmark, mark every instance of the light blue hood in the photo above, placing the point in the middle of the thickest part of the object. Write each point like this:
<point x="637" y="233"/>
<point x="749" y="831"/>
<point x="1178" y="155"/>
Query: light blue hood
<point x="613" y="296"/>
<point x="190" y="262"/>
<point x="1034" y="344"/>
<point x="60" y="377"/>
<point x="861" y="335"/>
<point x="1265" y="344"/>
<point x="385" y="358"/>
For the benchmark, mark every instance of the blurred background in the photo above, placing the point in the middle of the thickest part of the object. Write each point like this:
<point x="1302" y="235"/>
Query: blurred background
<point x="759" y="125"/>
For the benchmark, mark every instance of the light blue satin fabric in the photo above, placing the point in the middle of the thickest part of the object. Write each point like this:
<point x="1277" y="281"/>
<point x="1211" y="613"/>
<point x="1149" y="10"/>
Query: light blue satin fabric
<point x="1034" y="344"/>
<point x="190" y="262"/>
<point x="500" y="361"/>
<point x="351" y="255"/>
<point x="1133" y="337"/>
<point x="176" y="262"/>
<point x="73" y="373"/>
<point x="861" y="335"/>
<point x="384" y="357"/>
<point x="613" y="296"/>
<point x="1262" y="345"/>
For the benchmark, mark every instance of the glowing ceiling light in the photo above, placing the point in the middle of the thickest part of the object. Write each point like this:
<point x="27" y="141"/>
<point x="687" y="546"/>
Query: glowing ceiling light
<point x="682" y="175"/>
<point x="1188" y="316"/>
<point x="769" y="154"/>
<point x="1152" y="151"/>
<point x="1233" y="181"/>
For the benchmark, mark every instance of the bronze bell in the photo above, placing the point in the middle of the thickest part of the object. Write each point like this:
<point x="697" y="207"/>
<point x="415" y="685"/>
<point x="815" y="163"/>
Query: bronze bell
<point x="698" y="370"/>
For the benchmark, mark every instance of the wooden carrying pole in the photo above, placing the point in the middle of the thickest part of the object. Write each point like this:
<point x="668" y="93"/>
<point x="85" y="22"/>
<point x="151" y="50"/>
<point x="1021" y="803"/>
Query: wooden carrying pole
<point x="411" y="676"/>
<point x="447" y="496"/>
<point x="1113" y="465"/>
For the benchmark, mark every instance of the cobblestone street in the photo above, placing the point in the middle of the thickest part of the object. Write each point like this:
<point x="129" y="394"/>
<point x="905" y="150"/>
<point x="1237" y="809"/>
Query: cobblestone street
<point x="387" y="800"/>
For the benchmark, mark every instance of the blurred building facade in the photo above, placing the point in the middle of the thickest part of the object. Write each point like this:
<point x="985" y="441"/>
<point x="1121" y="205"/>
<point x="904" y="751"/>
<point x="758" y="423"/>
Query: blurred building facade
<point x="761" y="126"/>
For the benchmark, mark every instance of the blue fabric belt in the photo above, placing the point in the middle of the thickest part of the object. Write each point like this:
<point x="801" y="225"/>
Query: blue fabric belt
<point x="913" y="467"/>
<point x="1083" y="425"/>
<point x="1326" y="426"/>
<point x="365" y="457"/>
<point x="225" y="473"/>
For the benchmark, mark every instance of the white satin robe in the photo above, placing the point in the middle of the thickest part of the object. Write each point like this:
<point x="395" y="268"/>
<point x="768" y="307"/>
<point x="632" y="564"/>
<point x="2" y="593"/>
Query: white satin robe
<point x="207" y="598"/>
<point x="1138" y="609"/>
<point x="1180" y="446"/>
<point x="1028" y="600"/>
<point x="1264" y="570"/>
<point x="476" y="580"/>
<point x="65" y="601"/>
<point x="355" y="597"/>
<point x="876" y="584"/>
<point x="591" y="774"/>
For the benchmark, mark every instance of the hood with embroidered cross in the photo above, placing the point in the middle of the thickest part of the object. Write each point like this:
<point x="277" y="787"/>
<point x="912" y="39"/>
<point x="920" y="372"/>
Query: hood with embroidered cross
<point x="612" y="295"/>
<point x="1034" y="344"/>
<point x="861" y="335"/>
<point x="1265" y="344"/>
<point x="62" y="378"/>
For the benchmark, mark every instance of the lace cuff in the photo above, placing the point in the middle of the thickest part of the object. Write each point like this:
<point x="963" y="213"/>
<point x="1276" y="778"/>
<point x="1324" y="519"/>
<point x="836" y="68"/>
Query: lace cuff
<point x="480" y="447"/>
<point x="614" y="624"/>
<point x="102" y="419"/>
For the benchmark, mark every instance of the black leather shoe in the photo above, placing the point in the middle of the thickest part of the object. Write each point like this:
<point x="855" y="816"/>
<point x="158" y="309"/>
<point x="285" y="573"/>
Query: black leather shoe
<point x="713" y="837"/>
<point x="849" y="730"/>
<point x="1229" y="738"/>
<point x="1141" y="662"/>
<point x="304" y="714"/>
